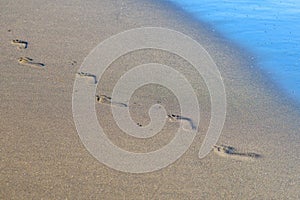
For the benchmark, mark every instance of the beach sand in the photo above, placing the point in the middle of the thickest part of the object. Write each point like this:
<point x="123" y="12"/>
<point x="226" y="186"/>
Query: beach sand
<point x="42" y="156"/>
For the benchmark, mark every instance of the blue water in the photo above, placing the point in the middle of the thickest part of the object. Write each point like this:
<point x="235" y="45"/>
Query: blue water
<point x="269" y="28"/>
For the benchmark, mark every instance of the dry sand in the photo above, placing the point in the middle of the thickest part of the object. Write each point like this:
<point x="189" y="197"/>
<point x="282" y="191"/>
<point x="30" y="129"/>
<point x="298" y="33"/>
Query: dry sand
<point x="42" y="156"/>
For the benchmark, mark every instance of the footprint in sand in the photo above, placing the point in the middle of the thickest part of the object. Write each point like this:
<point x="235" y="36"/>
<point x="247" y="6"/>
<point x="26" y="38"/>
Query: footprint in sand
<point x="89" y="76"/>
<point x="103" y="99"/>
<point x="20" y="43"/>
<point x="29" y="62"/>
<point x="231" y="152"/>
<point x="176" y="118"/>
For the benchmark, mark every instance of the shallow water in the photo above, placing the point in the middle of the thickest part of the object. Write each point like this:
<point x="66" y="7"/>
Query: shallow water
<point x="268" y="28"/>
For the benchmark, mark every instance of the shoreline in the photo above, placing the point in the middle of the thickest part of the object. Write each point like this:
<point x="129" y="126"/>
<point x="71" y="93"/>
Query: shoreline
<point x="42" y="155"/>
<point x="244" y="55"/>
<point x="272" y="56"/>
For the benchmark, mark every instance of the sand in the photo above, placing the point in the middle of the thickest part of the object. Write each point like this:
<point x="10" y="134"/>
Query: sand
<point x="42" y="156"/>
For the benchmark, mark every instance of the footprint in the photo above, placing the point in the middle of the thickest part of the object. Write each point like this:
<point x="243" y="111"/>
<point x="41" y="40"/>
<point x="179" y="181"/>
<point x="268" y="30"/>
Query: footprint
<point x="20" y="43"/>
<point x="29" y="62"/>
<point x="87" y="75"/>
<point x="175" y="118"/>
<point x="231" y="152"/>
<point x="103" y="99"/>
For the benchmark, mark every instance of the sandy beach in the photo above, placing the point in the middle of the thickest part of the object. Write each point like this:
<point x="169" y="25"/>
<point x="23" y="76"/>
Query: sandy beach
<point x="42" y="155"/>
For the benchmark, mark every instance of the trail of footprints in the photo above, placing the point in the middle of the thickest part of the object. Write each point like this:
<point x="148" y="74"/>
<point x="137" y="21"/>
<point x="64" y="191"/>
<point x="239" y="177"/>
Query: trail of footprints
<point x="221" y="150"/>
<point x="26" y="60"/>
<point x="103" y="99"/>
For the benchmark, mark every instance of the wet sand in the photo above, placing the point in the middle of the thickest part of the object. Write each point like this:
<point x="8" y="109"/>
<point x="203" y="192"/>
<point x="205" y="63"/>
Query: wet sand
<point x="42" y="156"/>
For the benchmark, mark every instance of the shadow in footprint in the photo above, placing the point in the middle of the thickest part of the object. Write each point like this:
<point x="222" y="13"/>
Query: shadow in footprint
<point x="229" y="151"/>
<point x="174" y="118"/>
<point x="103" y="99"/>
<point x="87" y="75"/>
<point x="29" y="62"/>
<point x="20" y="43"/>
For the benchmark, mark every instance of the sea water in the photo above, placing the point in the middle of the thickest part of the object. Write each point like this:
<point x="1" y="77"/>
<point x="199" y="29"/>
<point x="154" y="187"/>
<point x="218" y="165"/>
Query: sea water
<point x="270" y="28"/>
